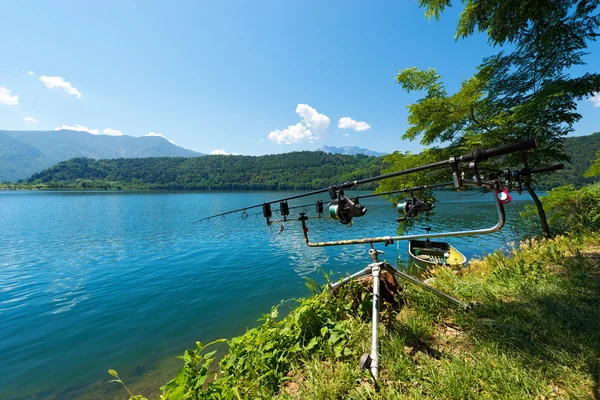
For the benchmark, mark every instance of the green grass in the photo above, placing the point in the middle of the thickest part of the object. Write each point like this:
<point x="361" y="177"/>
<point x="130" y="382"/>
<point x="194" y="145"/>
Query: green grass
<point x="537" y="336"/>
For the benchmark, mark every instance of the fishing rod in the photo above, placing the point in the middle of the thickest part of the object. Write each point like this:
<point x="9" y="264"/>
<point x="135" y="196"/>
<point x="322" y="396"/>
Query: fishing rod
<point x="412" y="189"/>
<point x="412" y="207"/>
<point x="346" y="209"/>
<point x="500" y="200"/>
<point x="516" y="176"/>
<point x="320" y="204"/>
<point x="292" y="208"/>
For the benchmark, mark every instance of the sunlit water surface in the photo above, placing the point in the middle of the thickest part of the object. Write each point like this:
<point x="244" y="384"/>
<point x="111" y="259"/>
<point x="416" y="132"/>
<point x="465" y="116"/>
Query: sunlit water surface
<point x="93" y="280"/>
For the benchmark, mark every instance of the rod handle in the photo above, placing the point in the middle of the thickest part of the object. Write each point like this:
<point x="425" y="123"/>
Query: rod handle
<point x="549" y="168"/>
<point x="482" y="155"/>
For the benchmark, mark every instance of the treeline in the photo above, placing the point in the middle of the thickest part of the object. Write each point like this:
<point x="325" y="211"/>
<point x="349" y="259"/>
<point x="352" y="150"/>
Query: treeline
<point x="305" y="170"/>
<point x="582" y="150"/>
<point x="290" y="171"/>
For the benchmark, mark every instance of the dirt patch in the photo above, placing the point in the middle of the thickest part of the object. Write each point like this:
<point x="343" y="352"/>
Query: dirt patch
<point x="292" y="386"/>
<point x="449" y="338"/>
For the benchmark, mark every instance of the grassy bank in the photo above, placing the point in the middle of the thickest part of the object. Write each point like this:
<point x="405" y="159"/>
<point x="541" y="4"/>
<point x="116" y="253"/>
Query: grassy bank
<point x="537" y="336"/>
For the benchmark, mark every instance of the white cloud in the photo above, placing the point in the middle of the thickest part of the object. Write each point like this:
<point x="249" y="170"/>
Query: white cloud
<point x="346" y="134"/>
<point x="349" y="123"/>
<point x="158" y="134"/>
<point x="31" y="73"/>
<point x="313" y="127"/>
<point x="222" y="152"/>
<point x="57" y="82"/>
<point x="595" y="99"/>
<point x="312" y="119"/>
<point x="6" y="98"/>
<point x="79" y="128"/>
<point x="30" y="119"/>
<point x="293" y="134"/>
<point x="112" y="132"/>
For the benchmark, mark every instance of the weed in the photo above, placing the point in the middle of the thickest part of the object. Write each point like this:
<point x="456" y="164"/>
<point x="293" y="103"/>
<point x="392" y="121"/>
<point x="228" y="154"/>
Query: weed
<point x="537" y="336"/>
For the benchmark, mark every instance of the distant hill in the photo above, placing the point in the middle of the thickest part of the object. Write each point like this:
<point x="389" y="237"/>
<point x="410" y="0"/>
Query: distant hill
<point x="297" y="170"/>
<point x="350" y="150"/>
<point x="582" y="150"/>
<point x="23" y="153"/>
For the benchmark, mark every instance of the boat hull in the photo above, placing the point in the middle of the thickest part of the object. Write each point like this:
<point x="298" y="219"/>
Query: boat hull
<point x="425" y="254"/>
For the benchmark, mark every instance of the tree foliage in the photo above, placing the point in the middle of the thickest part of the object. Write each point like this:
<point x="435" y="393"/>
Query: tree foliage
<point x="527" y="92"/>
<point x="510" y="21"/>
<point x="569" y="210"/>
<point x="524" y="93"/>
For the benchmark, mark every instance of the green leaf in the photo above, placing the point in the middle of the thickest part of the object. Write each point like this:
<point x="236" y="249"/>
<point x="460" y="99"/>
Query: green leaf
<point x="176" y="394"/>
<point x="113" y="373"/>
<point x="210" y="354"/>
<point x="187" y="357"/>
<point x="338" y="350"/>
<point x="333" y="338"/>
<point x="180" y="378"/>
<point x="201" y="381"/>
<point x="313" y="342"/>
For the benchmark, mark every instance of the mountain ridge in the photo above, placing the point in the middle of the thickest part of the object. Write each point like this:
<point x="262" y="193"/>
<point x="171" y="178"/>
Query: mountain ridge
<point x="23" y="153"/>
<point x="350" y="151"/>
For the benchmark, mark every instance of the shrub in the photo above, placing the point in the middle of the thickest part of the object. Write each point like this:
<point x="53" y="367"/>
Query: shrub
<point x="569" y="210"/>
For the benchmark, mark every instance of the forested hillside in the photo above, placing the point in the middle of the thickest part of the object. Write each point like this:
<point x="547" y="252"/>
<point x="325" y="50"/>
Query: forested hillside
<point x="298" y="170"/>
<point x="582" y="150"/>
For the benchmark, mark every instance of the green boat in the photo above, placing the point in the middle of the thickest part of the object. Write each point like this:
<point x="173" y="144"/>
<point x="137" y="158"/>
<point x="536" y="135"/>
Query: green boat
<point x="425" y="254"/>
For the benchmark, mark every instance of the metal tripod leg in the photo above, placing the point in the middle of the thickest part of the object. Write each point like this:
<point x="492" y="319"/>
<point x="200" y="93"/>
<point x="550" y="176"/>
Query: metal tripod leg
<point x="425" y="286"/>
<point x="370" y="361"/>
<point x="374" y="367"/>
<point x="364" y="272"/>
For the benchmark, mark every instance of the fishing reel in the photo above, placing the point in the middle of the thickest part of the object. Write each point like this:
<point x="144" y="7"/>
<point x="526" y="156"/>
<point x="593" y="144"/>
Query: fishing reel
<point x="343" y="208"/>
<point x="410" y="208"/>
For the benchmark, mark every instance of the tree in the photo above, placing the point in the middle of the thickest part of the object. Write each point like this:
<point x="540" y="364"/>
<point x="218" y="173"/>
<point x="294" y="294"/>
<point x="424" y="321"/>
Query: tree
<point x="512" y="96"/>
<point x="510" y="21"/>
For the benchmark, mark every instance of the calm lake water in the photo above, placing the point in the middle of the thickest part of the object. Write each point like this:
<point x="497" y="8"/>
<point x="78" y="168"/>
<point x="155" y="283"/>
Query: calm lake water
<point x="94" y="280"/>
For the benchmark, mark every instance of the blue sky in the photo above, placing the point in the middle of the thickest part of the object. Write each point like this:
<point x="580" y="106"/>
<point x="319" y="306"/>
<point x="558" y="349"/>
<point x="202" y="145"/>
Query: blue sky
<point x="246" y="77"/>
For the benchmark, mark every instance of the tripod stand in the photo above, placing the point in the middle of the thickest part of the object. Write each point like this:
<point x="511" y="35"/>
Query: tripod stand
<point x="371" y="361"/>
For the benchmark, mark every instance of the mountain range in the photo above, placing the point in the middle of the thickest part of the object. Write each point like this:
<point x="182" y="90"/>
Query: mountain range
<point x="350" y="151"/>
<point x="23" y="153"/>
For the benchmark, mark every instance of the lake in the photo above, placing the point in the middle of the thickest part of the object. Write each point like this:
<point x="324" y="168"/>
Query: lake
<point x="97" y="280"/>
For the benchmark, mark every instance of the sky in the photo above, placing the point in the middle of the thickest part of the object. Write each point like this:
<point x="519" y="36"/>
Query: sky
<point x="232" y="77"/>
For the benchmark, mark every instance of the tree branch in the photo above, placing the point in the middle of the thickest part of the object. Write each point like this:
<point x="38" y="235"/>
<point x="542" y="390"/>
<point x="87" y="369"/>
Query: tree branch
<point x="477" y="122"/>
